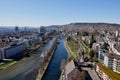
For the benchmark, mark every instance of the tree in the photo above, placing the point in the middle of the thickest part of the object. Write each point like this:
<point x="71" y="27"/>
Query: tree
<point x="86" y="59"/>
<point x="92" y="41"/>
<point x="91" y="53"/>
<point x="105" y="46"/>
<point x="69" y="38"/>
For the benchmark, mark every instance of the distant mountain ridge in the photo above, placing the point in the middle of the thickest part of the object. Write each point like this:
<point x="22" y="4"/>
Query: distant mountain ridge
<point x="113" y="24"/>
<point x="87" y="24"/>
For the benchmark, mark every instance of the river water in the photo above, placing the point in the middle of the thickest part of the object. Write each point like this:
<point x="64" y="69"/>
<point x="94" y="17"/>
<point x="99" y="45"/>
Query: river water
<point x="53" y="71"/>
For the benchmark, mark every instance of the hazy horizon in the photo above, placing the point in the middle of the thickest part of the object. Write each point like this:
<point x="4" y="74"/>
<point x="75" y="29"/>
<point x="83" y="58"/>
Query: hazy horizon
<point x="53" y="24"/>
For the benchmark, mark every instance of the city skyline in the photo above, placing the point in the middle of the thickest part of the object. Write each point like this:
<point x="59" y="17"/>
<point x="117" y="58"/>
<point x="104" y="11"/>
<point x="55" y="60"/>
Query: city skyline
<point x="56" y="12"/>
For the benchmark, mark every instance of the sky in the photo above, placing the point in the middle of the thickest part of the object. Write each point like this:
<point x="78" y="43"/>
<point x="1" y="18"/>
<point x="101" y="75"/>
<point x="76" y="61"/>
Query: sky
<point x="57" y="12"/>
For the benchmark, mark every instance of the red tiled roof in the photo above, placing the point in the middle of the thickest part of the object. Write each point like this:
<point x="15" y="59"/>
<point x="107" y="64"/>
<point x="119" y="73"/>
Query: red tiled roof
<point x="87" y="30"/>
<point x="113" y="55"/>
<point x="117" y="48"/>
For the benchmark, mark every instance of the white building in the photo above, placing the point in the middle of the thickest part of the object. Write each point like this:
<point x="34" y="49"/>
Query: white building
<point x="112" y="61"/>
<point x="96" y="47"/>
<point x="114" y="46"/>
<point x="101" y="55"/>
<point x="116" y="65"/>
<point x="42" y="29"/>
<point x="117" y="48"/>
<point x="11" y="50"/>
<point x="108" y="61"/>
<point x="100" y="40"/>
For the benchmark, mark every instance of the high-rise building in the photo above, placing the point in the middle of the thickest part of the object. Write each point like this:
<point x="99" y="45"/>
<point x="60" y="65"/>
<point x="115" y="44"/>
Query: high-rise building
<point x="16" y="29"/>
<point x="42" y="29"/>
<point x="25" y="29"/>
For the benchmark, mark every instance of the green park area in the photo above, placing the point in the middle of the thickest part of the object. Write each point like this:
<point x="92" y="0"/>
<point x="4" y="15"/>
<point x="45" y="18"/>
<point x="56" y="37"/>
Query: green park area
<point x="74" y="48"/>
<point x="7" y="64"/>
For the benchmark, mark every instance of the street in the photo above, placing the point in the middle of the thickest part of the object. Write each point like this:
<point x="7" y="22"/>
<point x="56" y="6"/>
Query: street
<point x="25" y="69"/>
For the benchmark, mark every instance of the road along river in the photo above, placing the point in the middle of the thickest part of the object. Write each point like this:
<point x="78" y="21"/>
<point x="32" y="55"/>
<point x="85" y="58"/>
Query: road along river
<point x="25" y="69"/>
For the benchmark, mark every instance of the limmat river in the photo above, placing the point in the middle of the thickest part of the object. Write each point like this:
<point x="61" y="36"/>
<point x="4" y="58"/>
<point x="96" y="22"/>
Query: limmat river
<point x="53" y="71"/>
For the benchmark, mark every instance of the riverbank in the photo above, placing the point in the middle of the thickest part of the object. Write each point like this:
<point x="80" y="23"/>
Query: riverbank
<point x="53" y="71"/>
<point x="44" y="66"/>
<point x="5" y="65"/>
<point x="70" y="53"/>
<point x="27" y="68"/>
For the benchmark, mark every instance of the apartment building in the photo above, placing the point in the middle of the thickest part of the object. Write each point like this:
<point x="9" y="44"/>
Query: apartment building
<point x="11" y="50"/>
<point x="116" y="64"/>
<point x="112" y="61"/>
<point x="117" y="48"/>
<point x="101" y="55"/>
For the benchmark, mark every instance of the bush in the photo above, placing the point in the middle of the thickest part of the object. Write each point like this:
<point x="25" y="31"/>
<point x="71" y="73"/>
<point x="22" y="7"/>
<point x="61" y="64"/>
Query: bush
<point x="105" y="46"/>
<point x="86" y="59"/>
<point x="91" y="54"/>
